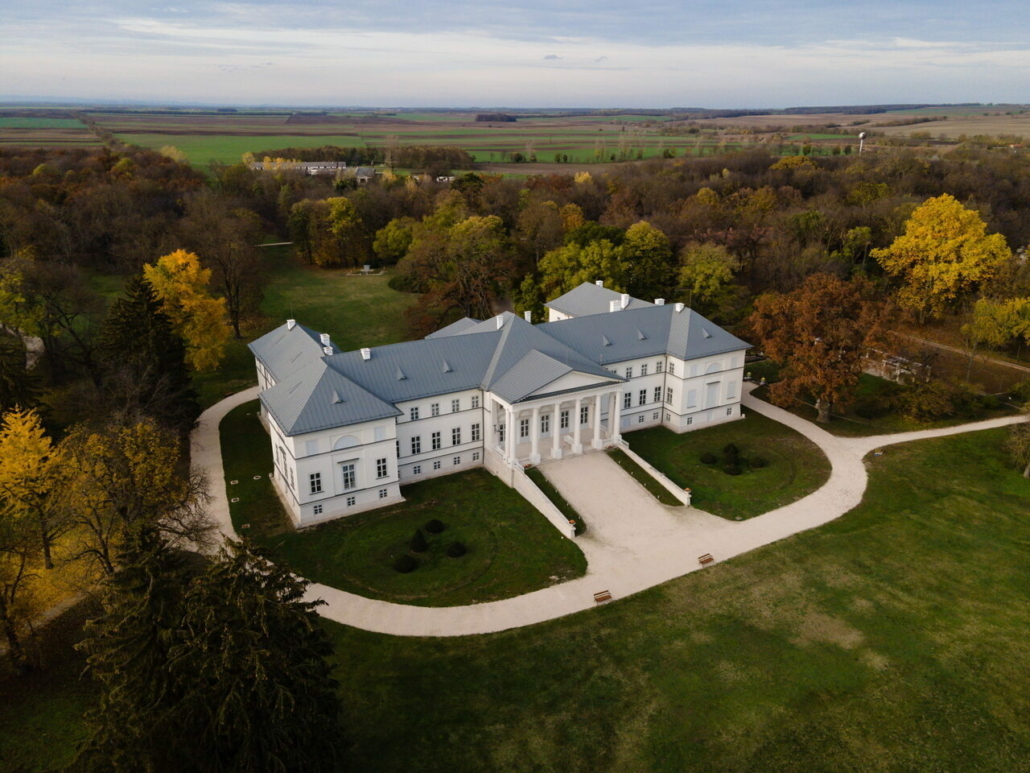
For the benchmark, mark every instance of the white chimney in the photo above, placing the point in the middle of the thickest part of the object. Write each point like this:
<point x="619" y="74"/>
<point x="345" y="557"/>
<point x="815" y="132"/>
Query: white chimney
<point x="613" y="305"/>
<point x="327" y="350"/>
<point x="659" y="301"/>
<point x="290" y="324"/>
<point x="366" y="354"/>
<point x="679" y="307"/>
<point x="500" y="321"/>
<point x="624" y="300"/>
<point x="325" y="339"/>
<point x="599" y="283"/>
<point x="528" y="316"/>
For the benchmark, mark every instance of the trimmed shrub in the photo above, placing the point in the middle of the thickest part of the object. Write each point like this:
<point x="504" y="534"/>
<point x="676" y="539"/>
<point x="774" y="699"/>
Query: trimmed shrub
<point x="731" y="469"/>
<point x="418" y="542"/>
<point x="435" y="526"/>
<point x="456" y="550"/>
<point x="405" y="564"/>
<point x="758" y="462"/>
<point x="730" y="449"/>
<point x="709" y="458"/>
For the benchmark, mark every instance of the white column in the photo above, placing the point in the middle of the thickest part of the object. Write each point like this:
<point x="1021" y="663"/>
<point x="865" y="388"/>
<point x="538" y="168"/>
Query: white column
<point x="556" y="431"/>
<point x="577" y="446"/>
<point x="534" y="435"/>
<point x="510" y="434"/>
<point x="616" y="417"/>
<point x="597" y="422"/>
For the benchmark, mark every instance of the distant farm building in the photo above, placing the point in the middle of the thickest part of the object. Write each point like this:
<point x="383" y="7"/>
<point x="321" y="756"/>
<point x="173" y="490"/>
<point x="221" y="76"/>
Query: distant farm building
<point x="307" y="167"/>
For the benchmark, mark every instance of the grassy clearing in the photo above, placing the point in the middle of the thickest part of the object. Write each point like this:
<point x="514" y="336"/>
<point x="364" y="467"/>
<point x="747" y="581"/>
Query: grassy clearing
<point x="512" y="548"/>
<point x="644" y="478"/>
<point x="796" y="467"/>
<point x="892" y="639"/>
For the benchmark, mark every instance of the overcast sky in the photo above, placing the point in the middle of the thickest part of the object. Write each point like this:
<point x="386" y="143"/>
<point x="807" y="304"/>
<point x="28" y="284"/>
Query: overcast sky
<point x="519" y="53"/>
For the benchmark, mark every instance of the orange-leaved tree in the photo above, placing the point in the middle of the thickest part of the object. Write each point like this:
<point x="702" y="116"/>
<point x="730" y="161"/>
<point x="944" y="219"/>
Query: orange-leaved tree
<point x="819" y="335"/>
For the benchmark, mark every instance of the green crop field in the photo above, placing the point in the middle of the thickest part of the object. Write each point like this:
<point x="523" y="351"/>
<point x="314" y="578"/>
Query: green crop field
<point x="31" y="131"/>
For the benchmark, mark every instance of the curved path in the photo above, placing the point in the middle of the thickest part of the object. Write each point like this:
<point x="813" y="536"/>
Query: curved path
<point x="608" y="568"/>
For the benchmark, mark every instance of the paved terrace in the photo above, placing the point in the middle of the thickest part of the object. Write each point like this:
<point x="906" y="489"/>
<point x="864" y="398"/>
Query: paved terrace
<point x="633" y="542"/>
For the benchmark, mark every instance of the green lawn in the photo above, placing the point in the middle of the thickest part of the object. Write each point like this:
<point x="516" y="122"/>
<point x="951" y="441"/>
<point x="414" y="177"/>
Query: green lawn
<point x="796" y="466"/>
<point x="893" y="639"/>
<point x="512" y="548"/>
<point x="549" y="491"/>
<point x="644" y="478"/>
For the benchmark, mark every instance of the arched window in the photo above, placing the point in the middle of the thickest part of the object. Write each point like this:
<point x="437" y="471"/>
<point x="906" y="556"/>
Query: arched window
<point x="347" y="441"/>
<point x="715" y="367"/>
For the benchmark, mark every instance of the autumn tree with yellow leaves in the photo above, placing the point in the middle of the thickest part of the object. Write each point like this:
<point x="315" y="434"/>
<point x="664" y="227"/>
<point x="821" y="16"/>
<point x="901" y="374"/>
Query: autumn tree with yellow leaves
<point x="201" y="320"/>
<point x="944" y="254"/>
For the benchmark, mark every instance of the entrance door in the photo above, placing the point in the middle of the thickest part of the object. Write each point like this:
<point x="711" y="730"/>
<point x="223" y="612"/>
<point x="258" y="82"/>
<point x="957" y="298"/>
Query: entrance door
<point x="712" y="394"/>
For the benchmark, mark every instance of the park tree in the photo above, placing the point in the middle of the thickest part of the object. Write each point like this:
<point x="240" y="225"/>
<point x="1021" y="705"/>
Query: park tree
<point x="478" y="264"/>
<point x="146" y="360"/>
<point x="181" y="284"/>
<point x="706" y="272"/>
<point x="18" y="385"/>
<point x="393" y="240"/>
<point x="647" y="254"/>
<point x="19" y="550"/>
<point x="567" y="267"/>
<point x="1018" y="445"/>
<point x="818" y="334"/>
<point x="944" y="254"/>
<point x="529" y="297"/>
<point x="32" y="473"/>
<point x="539" y="229"/>
<point x="253" y="665"/>
<point x="128" y="476"/>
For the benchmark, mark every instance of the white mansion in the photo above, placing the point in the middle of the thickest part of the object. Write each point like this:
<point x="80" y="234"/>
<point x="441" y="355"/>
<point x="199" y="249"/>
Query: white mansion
<point x="348" y="428"/>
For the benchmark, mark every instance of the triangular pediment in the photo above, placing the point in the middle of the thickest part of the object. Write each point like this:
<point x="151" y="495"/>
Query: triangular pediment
<point x="571" y="382"/>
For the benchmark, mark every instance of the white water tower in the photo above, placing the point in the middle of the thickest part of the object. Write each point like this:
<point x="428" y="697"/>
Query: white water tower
<point x="861" y="141"/>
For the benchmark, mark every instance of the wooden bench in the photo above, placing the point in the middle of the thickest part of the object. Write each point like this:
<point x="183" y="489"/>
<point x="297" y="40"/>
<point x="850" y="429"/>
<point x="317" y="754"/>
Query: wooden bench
<point x="706" y="559"/>
<point x="603" y="596"/>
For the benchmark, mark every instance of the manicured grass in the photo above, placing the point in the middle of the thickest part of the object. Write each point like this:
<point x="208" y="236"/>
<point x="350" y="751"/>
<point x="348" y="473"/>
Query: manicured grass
<point x="557" y="499"/>
<point x="644" y="478"/>
<point x="512" y="548"/>
<point x="796" y="466"/>
<point x="893" y="639"/>
<point x="890" y="640"/>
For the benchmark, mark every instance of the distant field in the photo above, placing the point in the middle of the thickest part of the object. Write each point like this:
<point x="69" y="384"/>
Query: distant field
<point x="228" y="148"/>
<point x="20" y="130"/>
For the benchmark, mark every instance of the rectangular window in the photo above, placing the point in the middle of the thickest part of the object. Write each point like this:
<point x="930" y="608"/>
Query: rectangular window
<point x="351" y="501"/>
<point x="643" y="370"/>
<point x="545" y="424"/>
<point x="379" y="433"/>
<point x="414" y="414"/>
<point x="383" y="493"/>
<point x="316" y="510"/>
<point x="397" y="448"/>
<point x="500" y="433"/>
<point x="475" y="401"/>
<point x="672" y="368"/>
<point x="456" y="460"/>
<point x="436" y="441"/>
<point x="475" y="456"/>
<point x="564" y="420"/>
<point x="523" y="428"/>
<point x="658" y="366"/>
<point x="668" y="416"/>
<point x="311" y="447"/>
<point x="692" y="398"/>
<point x="476" y="433"/>
<point x="642" y="397"/>
<point x="627" y="400"/>
<point x="690" y="420"/>
<point x="657" y="394"/>
<point x="316" y="482"/>
<point x="290" y="470"/>
<point x="654" y="416"/>
<point x="456" y="436"/>
<point x="640" y="419"/>
<point x="629" y="372"/>
<point x="381" y="469"/>
<point x="455" y="406"/>
<point x="349" y="479"/>
<point x="584" y="414"/>
<point x="668" y="395"/>
<point x="436" y="465"/>
<point x="729" y="411"/>
<point x="416" y="470"/>
<point x="434" y="409"/>
<point x="731" y="390"/>
<point x="416" y="444"/>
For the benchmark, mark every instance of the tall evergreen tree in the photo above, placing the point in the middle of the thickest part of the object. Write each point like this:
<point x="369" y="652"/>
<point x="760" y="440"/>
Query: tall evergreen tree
<point x="146" y="360"/>
<point x="252" y="658"/>
<point x="127" y="654"/>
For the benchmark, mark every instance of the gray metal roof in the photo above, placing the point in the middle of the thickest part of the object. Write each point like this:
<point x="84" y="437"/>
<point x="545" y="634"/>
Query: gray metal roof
<point x="625" y="335"/>
<point x="317" y="397"/>
<point x="590" y="298"/>
<point x="284" y="351"/>
<point x="506" y="355"/>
